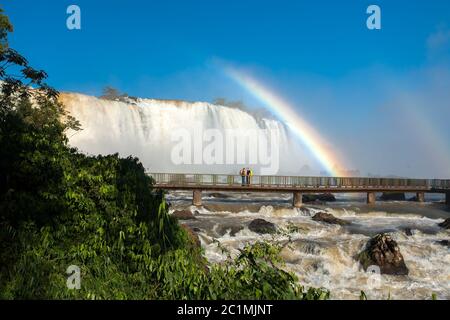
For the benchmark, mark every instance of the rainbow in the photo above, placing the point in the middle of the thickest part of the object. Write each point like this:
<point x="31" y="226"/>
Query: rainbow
<point x="286" y="113"/>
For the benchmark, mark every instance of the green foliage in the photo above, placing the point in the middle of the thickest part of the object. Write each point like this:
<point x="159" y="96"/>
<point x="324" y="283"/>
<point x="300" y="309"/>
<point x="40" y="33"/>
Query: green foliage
<point x="104" y="225"/>
<point x="362" y="296"/>
<point x="5" y="28"/>
<point x="110" y="93"/>
<point x="257" y="273"/>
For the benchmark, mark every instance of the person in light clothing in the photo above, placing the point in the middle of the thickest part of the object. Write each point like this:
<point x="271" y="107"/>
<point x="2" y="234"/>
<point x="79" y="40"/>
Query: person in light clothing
<point x="243" y="176"/>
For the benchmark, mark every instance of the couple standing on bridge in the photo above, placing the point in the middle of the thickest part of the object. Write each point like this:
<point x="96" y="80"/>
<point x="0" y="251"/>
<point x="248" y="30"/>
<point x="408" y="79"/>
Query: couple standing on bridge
<point x="246" y="174"/>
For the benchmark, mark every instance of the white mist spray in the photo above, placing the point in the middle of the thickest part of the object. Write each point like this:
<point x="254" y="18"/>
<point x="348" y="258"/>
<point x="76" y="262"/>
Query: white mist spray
<point x="145" y="129"/>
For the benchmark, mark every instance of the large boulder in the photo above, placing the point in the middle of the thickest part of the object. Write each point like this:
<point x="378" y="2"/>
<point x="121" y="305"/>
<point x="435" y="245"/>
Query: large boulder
<point x="322" y="197"/>
<point x="383" y="252"/>
<point x="329" y="218"/>
<point x="183" y="215"/>
<point x="262" y="226"/>
<point x="445" y="224"/>
<point x="393" y="196"/>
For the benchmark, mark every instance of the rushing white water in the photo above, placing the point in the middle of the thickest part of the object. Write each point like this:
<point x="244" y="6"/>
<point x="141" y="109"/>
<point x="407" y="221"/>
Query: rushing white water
<point x="145" y="128"/>
<point x="322" y="255"/>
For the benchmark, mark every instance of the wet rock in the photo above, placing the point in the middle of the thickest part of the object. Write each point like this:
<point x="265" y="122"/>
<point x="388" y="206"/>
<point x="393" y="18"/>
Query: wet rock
<point x="262" y="226"/>
<point x="223" y="229"/>
<point x="445" y="243"/>
<point x="291" y="250"/>
<point x="192" y="235"/>
<point x="219" y="195"/>
<point x="393" y="196"/>
<point x="329" y="218"/>
<point x="183" y="215"/>
<point x="445" y="224"/>
<point x="305" y="211"/>
<point x="383" y="252"/>
<point x="408" y="231"/>
<point x="309" y="247"/>
<point x="322" y="197"/>
<point x="289" y="255"/>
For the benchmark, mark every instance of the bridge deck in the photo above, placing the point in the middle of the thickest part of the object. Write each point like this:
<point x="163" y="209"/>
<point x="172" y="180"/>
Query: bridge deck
<point x="218" y="182"/>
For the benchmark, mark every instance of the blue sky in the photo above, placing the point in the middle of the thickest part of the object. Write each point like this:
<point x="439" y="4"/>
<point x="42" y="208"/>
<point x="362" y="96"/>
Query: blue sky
<point x="319" y="55"/>
<point x="134" y="41"/>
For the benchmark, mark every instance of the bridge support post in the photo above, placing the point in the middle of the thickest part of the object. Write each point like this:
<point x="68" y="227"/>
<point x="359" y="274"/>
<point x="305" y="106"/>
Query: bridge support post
<point x="371" y="197"/>
<point x="447" y="198"/>
<point x="197" y="197"/>
<point x="420" y="196"/>
<point x="297" y="201"/>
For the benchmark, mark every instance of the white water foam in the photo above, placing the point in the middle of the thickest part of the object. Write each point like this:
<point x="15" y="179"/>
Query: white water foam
<point x="322" y="255"/>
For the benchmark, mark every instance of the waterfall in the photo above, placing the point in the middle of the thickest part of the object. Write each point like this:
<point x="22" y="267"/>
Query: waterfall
<point x="149" y="129"/>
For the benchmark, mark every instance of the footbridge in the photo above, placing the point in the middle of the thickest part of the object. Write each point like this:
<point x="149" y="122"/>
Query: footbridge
<point x="298" y="185"/>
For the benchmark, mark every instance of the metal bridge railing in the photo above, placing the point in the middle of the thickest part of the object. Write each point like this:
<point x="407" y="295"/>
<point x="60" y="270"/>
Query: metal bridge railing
<point x="296" y="181"/>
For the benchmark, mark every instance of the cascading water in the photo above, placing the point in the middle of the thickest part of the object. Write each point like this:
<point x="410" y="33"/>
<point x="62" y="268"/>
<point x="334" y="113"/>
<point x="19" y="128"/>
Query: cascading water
<point x="148" y="129"/>
<point x="323" y="255"/>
